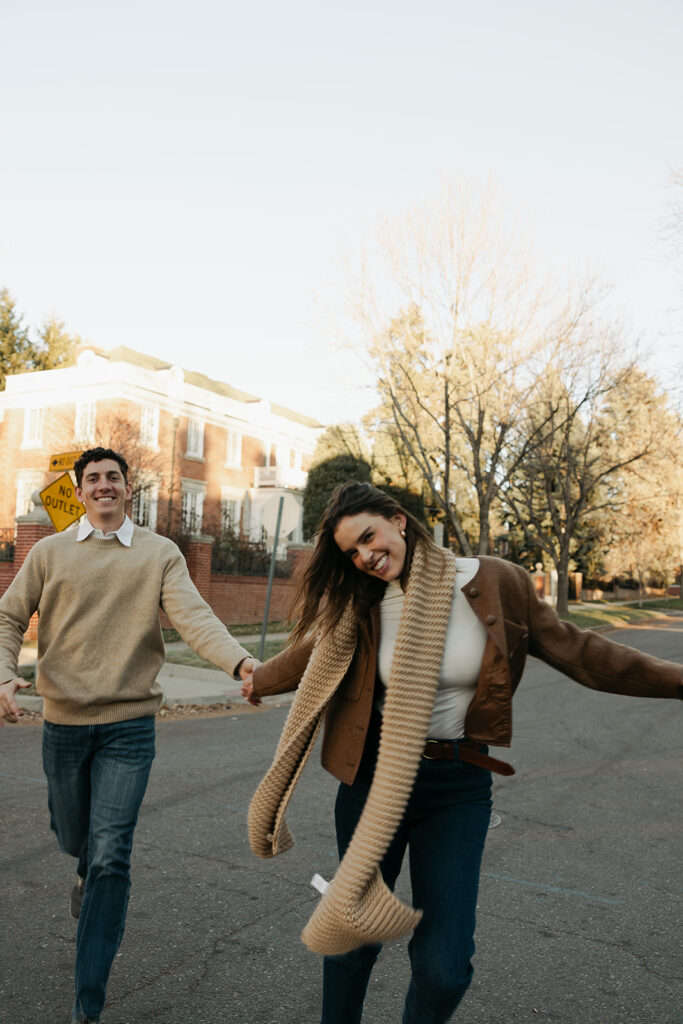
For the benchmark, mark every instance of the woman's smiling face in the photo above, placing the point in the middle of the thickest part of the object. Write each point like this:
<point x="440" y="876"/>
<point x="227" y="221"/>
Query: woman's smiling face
<point x="374" y="544"/>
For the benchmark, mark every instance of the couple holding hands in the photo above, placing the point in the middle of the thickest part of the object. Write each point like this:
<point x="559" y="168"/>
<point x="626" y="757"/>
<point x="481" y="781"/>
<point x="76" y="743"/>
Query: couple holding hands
<point x="408" y="654"/>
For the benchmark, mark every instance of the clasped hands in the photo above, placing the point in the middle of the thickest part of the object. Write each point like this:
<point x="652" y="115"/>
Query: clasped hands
<point x="246" y="673"/>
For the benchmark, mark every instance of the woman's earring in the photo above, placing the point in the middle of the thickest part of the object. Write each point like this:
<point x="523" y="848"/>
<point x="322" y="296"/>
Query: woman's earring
<point x="403" y="533"/>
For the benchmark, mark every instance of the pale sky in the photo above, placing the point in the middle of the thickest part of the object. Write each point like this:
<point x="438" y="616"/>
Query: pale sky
<point x="184" y="178"/>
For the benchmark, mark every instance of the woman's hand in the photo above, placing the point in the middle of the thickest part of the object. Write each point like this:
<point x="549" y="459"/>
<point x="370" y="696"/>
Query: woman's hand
<point x="249" y="694"/>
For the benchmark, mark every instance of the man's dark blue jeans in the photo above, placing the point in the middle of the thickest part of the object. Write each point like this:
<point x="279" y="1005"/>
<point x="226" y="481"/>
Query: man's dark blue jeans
<point x="97" y="776"/>
<point x="444" y="829"/>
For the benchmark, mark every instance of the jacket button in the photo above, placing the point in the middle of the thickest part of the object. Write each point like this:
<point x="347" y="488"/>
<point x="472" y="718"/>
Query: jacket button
<point x="473" y="592"/>
<point x="491" y="619"/>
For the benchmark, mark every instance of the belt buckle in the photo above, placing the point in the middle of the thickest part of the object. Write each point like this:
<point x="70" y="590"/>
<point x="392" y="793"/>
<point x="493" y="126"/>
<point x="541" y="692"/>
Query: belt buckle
<point x="429" y="757"/>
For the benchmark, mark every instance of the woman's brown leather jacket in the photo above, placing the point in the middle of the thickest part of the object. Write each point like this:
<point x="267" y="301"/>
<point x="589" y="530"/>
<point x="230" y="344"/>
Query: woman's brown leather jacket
<point x="517" y="623"/>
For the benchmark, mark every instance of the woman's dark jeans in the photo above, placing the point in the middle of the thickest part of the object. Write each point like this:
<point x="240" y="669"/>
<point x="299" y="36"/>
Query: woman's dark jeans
<point x="444" y="829"/>
<point x="97" y="776"/>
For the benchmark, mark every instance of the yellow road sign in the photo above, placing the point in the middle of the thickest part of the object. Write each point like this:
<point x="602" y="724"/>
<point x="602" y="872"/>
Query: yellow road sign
<point x="60" y="502"/>
<point x="64" y="461"/>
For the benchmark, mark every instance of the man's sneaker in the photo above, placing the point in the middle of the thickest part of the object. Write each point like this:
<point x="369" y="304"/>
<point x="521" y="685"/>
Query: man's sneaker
<point x="76" y="898"/>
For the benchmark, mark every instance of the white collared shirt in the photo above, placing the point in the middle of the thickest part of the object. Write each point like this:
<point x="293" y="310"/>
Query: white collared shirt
<point x="124" y="532"/>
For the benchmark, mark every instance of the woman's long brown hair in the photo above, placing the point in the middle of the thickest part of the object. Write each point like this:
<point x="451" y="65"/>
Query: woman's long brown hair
<point x="331" y="580"/>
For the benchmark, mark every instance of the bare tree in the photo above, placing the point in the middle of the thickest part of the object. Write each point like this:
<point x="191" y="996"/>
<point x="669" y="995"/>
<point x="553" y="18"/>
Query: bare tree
<point x="598" y="421"/>
<point x="149" y="469"/>
<point x="456" y="331"/>
<point x="415" y="418"/>
<point x="646" y="539"/>
<point x="456" y="416"/>
<point x="493" y="389"/>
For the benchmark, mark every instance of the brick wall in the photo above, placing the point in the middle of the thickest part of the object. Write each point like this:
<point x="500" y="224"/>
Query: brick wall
<point x="7" y="574"/>
<point x="198" y="558"/>
<point x="242" y="599"/>
<point x="27" y="535"/>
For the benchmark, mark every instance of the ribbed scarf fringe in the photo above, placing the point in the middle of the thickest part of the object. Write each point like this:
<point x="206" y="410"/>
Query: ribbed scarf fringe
<point x="358" y="908"/>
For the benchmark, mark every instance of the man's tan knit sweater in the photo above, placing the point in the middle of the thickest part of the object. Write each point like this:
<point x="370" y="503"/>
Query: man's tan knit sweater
<point x="100" y="646"/>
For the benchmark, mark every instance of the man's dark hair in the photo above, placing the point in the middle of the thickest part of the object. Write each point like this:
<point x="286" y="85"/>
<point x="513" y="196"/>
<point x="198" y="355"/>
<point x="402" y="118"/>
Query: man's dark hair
<point x="96" y="455"/>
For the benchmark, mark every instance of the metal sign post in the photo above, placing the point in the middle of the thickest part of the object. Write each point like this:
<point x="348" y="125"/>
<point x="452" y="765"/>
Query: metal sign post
<point x="271" y="573"/>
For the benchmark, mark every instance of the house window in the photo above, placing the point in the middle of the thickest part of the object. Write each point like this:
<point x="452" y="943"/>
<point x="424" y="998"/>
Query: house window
<point x="84" y="427"/>
<point x="149" y="426"/>
<point x="27" y="483"/>
<point x="233" y="452"/>
<point x="145" y="501"/>
<point x="193" y="506"/>
<point x="195" y="438"/>
<point x="33" y="428"/>
<point x="231" y="510"/>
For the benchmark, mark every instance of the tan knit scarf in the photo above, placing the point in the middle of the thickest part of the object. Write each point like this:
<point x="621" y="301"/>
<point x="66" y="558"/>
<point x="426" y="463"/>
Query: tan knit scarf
<point x="358" y="908"/>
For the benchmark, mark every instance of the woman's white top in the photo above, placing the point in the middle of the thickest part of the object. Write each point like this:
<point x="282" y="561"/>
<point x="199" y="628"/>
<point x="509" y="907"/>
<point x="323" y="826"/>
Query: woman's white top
<point x="463" y="651"/>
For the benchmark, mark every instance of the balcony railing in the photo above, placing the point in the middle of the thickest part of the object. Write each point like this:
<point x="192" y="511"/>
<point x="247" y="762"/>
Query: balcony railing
<point x="279" y="476"/>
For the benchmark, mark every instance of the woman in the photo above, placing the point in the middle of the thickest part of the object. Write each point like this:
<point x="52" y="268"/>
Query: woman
<point x="413" y="656"/>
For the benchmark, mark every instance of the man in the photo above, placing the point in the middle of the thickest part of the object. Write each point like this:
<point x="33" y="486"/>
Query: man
<point x="98" y="589"/>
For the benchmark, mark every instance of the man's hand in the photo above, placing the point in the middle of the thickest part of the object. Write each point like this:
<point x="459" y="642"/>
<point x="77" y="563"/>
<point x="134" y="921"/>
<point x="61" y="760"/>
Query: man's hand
<point x="246" y="671"/>
<point x="9" y="712"/>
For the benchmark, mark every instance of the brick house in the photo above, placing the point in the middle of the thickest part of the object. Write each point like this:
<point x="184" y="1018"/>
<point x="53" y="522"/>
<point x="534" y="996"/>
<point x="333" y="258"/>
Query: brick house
<point x="202" y="453"/>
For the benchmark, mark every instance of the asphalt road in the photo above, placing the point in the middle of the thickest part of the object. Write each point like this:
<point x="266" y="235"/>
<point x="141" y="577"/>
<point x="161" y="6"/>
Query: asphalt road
<point x="580" y="904"/>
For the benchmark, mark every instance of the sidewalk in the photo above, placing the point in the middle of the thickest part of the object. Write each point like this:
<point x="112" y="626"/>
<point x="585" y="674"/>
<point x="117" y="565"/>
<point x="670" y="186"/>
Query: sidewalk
<point x="183" y="684"/>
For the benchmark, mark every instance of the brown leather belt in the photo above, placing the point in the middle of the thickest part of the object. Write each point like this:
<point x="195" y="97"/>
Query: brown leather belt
<point x="464" y="750"/>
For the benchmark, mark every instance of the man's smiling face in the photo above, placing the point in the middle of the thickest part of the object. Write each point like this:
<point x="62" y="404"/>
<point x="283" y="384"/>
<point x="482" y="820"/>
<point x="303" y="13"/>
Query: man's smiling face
<point x="104" y="493"/>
